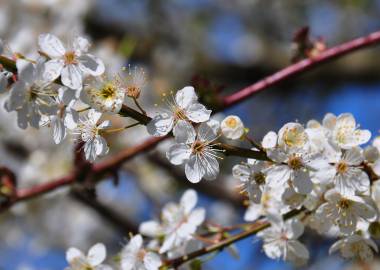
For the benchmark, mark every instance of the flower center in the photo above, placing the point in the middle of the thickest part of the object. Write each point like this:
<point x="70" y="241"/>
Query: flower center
<point x="231" y="122"/>
<point x="344" y="204"/>
<point x="133" y="91"/>
<point x="341" y="167"/>
<point x="141" y="254"/>
<point x="198" y="147"/>
<point x="259" y="178"/>
<point x="70" y="58"/>
<point x="108" y="91"/>
<point x="179" y="114"/>
<point x="295" y="162"/>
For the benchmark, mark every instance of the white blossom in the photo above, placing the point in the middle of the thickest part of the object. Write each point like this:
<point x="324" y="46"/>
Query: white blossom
<point x="179" y="222"/>
<point x="253" y="178"/>
<point x="70" y="63"/>
<point x="195" y="149"/>
<point x="30" y="96"/>
<point x="280" y="241"/>
<point x="135" y="257"/>
<point x="89" y="131"/>
<point x="344" y="131"/>
<point x="345" y="211"/>
<point x="104" y="94"/>
<point x="232" y="127"/>
<point x="355" y="246"/>
<point x="292" y="136"/>
<point x="93" y="261"/>
<point x="184" y="106"/>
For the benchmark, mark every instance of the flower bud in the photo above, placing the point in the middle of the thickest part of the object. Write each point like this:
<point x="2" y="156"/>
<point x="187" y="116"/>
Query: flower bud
<point x="232" y="127"/>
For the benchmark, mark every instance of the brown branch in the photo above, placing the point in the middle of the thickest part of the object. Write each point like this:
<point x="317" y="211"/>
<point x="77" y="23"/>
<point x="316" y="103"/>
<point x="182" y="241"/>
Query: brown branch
<point x="303" y="66"/>
<point x="286" y="73"/>
<point x="254" y="229"/>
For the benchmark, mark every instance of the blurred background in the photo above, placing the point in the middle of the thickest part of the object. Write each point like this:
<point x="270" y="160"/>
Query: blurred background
<point x="216" y="45"/>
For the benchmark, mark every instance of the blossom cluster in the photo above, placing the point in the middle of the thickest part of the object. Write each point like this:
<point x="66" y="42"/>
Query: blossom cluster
<point x="53" y="89"/>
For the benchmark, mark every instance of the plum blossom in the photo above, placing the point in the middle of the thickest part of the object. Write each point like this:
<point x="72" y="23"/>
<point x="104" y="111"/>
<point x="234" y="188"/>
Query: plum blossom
<point x="183" y="107"/>
<point x="253" y="178"/>
<point x="66" y="117"/>
<point x="346" y="173"/>
<point x="355" y="246"/>
<point x="344" y="131"/>
<point x="104" y="94"/>
<point x="195" y="149"/>
<point x="31" y="96"/>
<point x="135" y="257"/>
<point x="292" y="136"/>
<point x="93" y="261"/>
<point x="70" y="63"/>
<point x="88" y="130"/>
<point x="179" y="222"/>
<point x="232" y="127"/>
<point x="345" y="211"/>
<point x="280" y="241"/>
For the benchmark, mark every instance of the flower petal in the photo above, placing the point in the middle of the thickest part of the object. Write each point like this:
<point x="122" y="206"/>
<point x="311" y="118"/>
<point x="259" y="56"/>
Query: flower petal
<point x="53" y="69"/>
<point x="178" y="153"/>
<point x="160" y="125"/>
<point x="51" y="45"/>
<point x="188" y="200"/>
<point x="194" y="169"/>
<point x="91" y="64"/>
<point x="97" y="254"/>
<point x="198" y="113"/>
<point x="71" y="76"/>
<point x="185" y="97"/>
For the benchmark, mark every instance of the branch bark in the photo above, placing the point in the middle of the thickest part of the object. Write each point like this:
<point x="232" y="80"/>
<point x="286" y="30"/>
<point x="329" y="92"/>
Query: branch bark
<point x="280" y="76"/>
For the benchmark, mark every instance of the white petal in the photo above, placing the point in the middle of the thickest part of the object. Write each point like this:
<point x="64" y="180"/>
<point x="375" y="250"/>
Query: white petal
<point x="178" y="153"/>
<point x="253" y="212"/>
<point x="135" y="243"/>
<point x="73" y="253"/>
<point x="269" y="140"/>
<point x="27" y="71"/>
<point x="242" y="172"/>
<point x="152" y="261"/>
<point x="150" y="228"/>
<point x="296" y="228"/>
<point x="277" y="176"/>
<point x="302" y="183"/>
<point x="94" y="116"/>
<point x="298" y="249"/>
<point x="353" y="156"/>
<point x="211" y="167"/>
<point x="188" y="200"/>
<point x="194" y="169"/>
<point x="168" y="243"/>
<point x="184" y="132"/>
<point x="160" y="125"/>
<point x="71" y="76"/>
<point x="97" y="254"/>
<point x="51" y="45"/>
<point x="198" y="113"/>
<point x="206" y="133"/>
<point x="197" y="217"/>
<point x="91" y="64"/>
<point x="53" y="69"/>
<point x="185" y="97"/>
<point x="329" y="121"/>
<point x="101" y="147"/>
<point x="81" y="44"/>
<point x="59" y="130"/>
<point x="90" y="151"/>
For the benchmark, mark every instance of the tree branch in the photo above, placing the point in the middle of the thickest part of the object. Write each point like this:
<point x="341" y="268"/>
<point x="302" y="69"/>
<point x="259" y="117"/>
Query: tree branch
<point x="286" y="73"/>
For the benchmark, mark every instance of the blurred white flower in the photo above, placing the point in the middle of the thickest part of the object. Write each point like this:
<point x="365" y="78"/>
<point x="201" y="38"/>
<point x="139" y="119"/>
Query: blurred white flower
<point x="355" y="246"/>
<point x="93" y="261"/>
<point x="232" y="127"/>
<point x="179" y="222"/>
<point x="280" y="241"/>
<point x="30" y="96"/>
<point x="135" y="257"/>
<point x="183" y="107"/>
<point x="71" y="63"/>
